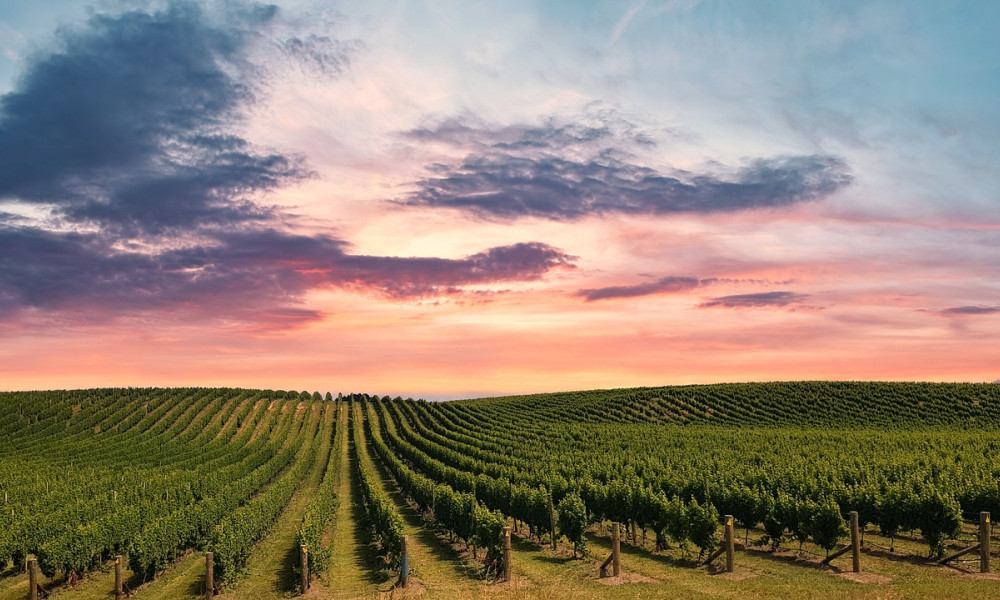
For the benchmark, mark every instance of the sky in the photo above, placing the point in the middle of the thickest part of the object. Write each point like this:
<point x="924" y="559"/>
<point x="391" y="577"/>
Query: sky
<point x="448" y="199"/>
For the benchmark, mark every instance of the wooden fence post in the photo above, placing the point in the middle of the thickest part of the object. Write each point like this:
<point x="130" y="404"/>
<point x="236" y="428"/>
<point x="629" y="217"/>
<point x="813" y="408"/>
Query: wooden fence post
<point x="209" y="575"/>
<point x="404" y="570"/>
<point x="118" y="577"/>
<point x="552" y="521"/>
<point x="32" y="579"/>
<point x="506" y="553"/>
<point x="984" y="542"/>
<point x="304" y="560"/>
<point x="730" y="545"/>
<point x="616" y="550"/>
<point x="855" y="543"/>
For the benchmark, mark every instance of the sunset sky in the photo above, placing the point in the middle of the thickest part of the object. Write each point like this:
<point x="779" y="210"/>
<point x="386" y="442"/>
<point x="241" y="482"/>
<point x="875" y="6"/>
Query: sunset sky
<point x="446" y="199"/>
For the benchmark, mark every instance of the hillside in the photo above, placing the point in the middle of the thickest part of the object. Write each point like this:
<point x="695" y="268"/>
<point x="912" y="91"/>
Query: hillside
<point x="164" y="476"/>
<point x="835" y="404"/>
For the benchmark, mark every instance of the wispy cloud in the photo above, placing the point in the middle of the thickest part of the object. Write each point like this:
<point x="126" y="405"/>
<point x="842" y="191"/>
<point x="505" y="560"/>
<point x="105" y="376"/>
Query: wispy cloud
<point x="761" y="300"/>
<point x="671" y="284"/>
<point x="664" y="285"/>
<point x="622" y="25"/>
<point x="960" y="311"/>
<point x="567" y="171"/>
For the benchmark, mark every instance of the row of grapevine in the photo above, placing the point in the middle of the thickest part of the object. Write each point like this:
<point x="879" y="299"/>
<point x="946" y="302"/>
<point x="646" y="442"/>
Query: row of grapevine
<point x="692" y="522"/>
<point x="459" y="513"/>
<point x="146" y="473"/>
<point x="381" y="514"/>
<point x="319" y="512"/>
<point x="234" y="537"/>
<point x="631" y="495"/>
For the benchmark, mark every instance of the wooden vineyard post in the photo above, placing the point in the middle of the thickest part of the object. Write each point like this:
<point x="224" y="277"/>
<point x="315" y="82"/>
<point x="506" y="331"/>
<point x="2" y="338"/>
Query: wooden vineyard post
<point x="984" y="542"/>
<point x="552" y="521"/>
<point x="209" y="576"/>
<point x="855" y="546"/>
<point x="304" y="558"/>
<point x="118" y="577"/>
<point x="616" y="550"/>
<point x="615" y="559"/>
<point x="506" y="553"/>
<point x="32" y="579"/>
<point x="855" y="543"/>
<point x="730" y="545"/>
<point x="404" y="570"/>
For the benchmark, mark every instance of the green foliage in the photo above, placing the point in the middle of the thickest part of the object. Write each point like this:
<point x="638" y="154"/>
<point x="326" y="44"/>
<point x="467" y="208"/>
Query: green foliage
<point x="457" y="512"/>
<point x="895" y="509"/>
<point x="677" y="525"/>
<point x="801" y="514"/>
<point x="778" y="517"/>
<point x="153" y="472"/>
<point x="488" y="536"/>
<point x="142" y="472"/>
<point x="573" y="522"/>
<point x="233" y="539"/>
<point x="702" y="524"/>
<point x="746" y="505"/>
<point x="380" y="512"/>
<point x="938" y="517"/>
<point x="319" y="513"/>
<point x="827" y="526"/>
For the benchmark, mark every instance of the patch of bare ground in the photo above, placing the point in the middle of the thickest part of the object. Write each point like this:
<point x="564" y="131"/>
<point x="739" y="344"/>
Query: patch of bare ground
<point x="517" y="582"/>
<point x="966" y="573"/>
<point x="865" y="578"/>
<point x="413" y="589"/>
<point x="626" y="578"/>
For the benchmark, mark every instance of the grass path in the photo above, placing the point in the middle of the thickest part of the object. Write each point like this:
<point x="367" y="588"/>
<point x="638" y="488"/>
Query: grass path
<point x="352" y="571"/>
<point x="184" y="580"/>
<point x="436" y="569"/>
<point x="269" y="571"/>
<point x="97" y="585"/>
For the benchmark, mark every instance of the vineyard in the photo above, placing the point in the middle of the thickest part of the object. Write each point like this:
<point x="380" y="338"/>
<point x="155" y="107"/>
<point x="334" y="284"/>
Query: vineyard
<point x="359" y="496"/>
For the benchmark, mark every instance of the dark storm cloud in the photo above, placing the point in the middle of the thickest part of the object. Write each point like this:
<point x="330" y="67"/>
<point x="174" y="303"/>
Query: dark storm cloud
<point x="958" y="311"/>
<point x="566" y="172"/>
<point x="247" y="275"/>
<point x="761" y="300"/>
<point x="664" y="285"/>
<point x="127" y="123"/>
<point x="418" y="277"/>
<point x="121" y="143"/>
